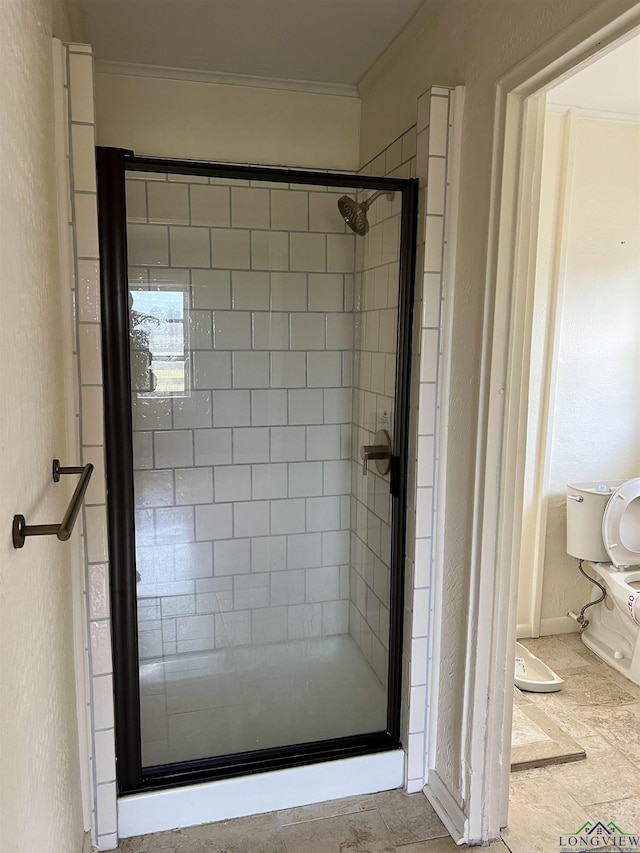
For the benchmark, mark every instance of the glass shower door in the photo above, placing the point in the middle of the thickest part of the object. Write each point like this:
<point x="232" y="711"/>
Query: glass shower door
<point x="263" y="358"/>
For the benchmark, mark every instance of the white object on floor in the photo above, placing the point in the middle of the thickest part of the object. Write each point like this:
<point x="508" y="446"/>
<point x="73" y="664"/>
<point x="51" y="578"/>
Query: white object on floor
<point x="534" y="675"/>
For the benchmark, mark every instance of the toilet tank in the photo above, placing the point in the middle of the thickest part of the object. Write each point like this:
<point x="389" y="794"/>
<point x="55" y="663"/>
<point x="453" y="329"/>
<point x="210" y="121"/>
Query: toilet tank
<point x="586" y="503"/>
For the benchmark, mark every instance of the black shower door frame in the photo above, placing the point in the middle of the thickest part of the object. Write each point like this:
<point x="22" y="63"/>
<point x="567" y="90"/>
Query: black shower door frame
<point x="112" y="166"/>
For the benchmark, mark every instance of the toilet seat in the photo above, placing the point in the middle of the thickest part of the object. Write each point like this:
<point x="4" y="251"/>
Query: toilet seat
<point x="621" y="525"/>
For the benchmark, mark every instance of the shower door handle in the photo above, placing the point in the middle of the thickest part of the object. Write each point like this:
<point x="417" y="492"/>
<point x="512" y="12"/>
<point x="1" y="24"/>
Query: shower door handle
<point x="380" y="452"/>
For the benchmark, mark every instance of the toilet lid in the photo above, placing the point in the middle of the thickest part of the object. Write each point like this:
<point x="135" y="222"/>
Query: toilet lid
<point x="621" y="525"/>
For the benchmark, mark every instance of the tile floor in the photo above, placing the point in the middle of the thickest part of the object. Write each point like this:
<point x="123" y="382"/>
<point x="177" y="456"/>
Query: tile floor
<point x="600" y="710"/>
<point x="255" y="697"/>
<point x="536" y="741"/>
<point x="391" y="822"/>
<point x="597" y="707"/>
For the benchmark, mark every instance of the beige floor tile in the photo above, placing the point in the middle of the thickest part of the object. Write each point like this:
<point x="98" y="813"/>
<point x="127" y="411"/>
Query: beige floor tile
<point x="520" y="697"/>
<point x="447" y="845"/>
<point x="625" y="683"/>
<point x="525" y="730"/>
<point x="331" y="808"/>
<point x="155" y="849"/>
<point x="552" y="744"/>
<point x="258" y="834"/>
<point x="625" y="814"/>
<point x="606" y="775"/>
<point x="158" y="842"/>
<point x="619" y="726"/>
<point x="529" y="802"/>
<point x="355" y="833"/>
<point x="532" y="773"/>
<point x="409" y="817"/>
<point x="593" y="686"/>
<point x="559" y="652"/>
<point x="590" y="657"/>
<point x="599" y="708"/>
<point x="563" y="715"/>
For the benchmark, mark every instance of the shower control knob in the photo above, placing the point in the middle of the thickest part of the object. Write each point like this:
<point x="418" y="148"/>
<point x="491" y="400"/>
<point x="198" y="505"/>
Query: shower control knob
<point x="380" y="452"/>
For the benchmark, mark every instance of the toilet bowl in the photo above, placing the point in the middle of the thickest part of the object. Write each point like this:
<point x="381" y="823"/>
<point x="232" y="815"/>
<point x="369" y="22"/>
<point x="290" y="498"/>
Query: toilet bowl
<point x="603" y="532"/>
<point x="613" y="632"/>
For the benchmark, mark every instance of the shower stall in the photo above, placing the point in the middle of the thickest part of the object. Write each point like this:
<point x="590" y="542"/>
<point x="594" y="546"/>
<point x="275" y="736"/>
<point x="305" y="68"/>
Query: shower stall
<point x="256" y="340"/>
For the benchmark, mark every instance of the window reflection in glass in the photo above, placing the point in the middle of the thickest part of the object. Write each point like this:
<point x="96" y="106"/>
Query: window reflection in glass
<point x="159" y="343"/>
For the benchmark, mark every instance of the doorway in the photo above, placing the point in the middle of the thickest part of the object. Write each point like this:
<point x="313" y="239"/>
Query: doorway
<point x="255" y="357"/>
<point x="522" y="107"/>
<point x="583" y="424"/>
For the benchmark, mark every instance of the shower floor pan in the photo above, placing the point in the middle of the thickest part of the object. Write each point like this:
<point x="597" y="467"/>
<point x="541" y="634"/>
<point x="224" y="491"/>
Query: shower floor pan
<point x="240" y="699"/>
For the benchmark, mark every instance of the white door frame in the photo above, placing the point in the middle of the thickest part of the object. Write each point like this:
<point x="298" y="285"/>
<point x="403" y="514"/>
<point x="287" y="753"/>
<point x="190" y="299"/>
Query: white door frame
<point x="512" y="244"/>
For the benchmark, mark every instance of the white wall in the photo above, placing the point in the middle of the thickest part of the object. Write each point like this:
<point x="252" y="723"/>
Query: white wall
<point x="239" y="124"/>
<point x="39" y="768"/>
<point x="596" y="433"/>
<point x="551" y="218"/>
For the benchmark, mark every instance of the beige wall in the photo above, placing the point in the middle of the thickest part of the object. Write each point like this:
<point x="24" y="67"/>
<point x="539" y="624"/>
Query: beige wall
<point x="596" y="423"/>
<point x="471" y="43"/>
<point x="240" y="124"/>
<point x="39" y="765"/>
<point x="550" y="229"/>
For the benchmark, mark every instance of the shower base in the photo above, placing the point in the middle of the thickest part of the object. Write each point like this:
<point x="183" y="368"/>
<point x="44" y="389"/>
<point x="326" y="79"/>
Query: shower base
<point x="249" y="698"/>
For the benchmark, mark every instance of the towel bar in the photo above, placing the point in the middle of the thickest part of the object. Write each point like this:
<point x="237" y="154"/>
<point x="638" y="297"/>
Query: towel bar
<point x="21" y="529"/>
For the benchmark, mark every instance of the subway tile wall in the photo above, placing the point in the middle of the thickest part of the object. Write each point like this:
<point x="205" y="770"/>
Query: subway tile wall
<point x="242" y="477"/>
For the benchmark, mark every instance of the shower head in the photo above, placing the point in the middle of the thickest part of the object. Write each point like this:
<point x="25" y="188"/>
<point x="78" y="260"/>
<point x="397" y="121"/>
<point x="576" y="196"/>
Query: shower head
<point x="354" y="212"/>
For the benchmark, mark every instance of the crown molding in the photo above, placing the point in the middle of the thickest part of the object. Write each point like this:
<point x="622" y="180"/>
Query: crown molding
<point x="134" y="69"/>
<point x="601" y="115"/>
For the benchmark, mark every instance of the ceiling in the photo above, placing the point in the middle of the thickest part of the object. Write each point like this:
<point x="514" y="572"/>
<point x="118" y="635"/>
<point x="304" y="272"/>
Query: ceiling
<point x="610" y="84"/>
<point x="324" y="41"/>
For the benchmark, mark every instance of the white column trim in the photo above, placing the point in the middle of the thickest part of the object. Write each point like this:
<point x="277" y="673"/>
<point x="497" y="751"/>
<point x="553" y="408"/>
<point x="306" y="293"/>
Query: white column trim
<point x="70" y="394"/>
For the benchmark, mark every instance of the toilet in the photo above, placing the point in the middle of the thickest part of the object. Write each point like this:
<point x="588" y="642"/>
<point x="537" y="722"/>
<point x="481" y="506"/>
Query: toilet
<point x="603" y="531"/>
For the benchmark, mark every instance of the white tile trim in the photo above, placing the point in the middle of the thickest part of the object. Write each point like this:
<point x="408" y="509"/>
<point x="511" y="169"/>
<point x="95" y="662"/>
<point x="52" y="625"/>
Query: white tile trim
<point x="72" y="449"/>
<point x="446" y="321"/>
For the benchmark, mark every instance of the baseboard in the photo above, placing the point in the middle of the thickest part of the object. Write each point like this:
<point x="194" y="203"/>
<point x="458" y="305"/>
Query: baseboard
<point x="86" y="843"/>
<point x="524" y="630"/>
<point x="446" y="807"/>
<point x="192" y="805"/>
<point x="558" y="625"/>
